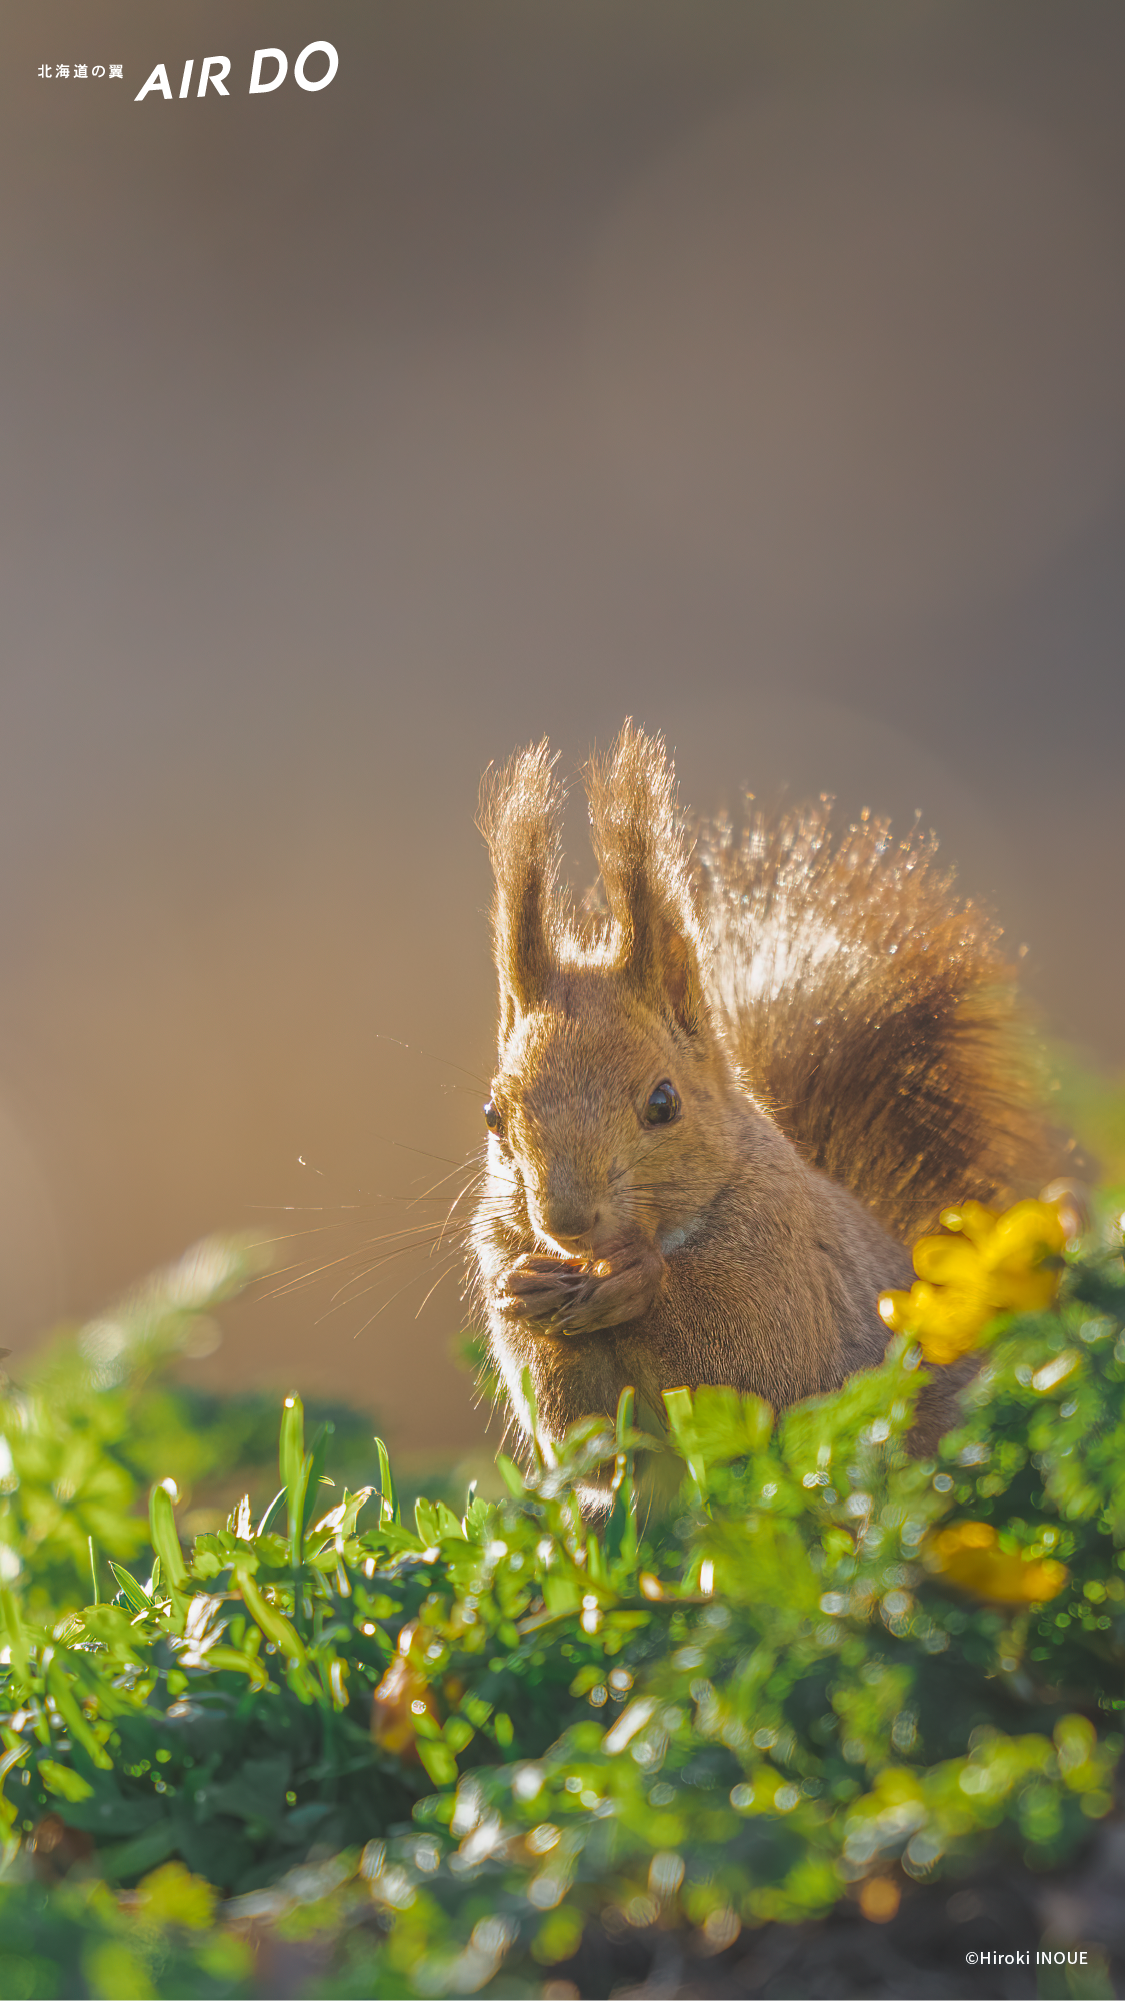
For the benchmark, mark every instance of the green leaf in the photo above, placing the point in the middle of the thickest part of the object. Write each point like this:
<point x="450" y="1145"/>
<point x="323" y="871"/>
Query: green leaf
<point x="273" y="1623"/>
<point x="512" y="1477"/>
<point x="135" y="1593"/>
<point x="165" y="1541"/>
<point x="527" y="1386"/>
<point x="832" y="1424"/>
<point x="341" y="1520"/>
<point x="586" y="1679"/>
<point x="13" y="1757"/>
<point x="313" y="1473"/>
<point x="17" y="1639"/>
<point x="458" y="1733"/>
<point x="448" y="1526"/>
<point x="72" y="1716"/>
<point x="291" y="1447"/>
<point x="717" y="1425"/>
<point x="270" y="1512"/>
<point x="388" y="1503"/>
<point x="63" y="1780"/>
<point x="623" y="1422"/>
<point x="437" y="1760"/>
<point x="236" y="1661"/>
<point x="297" y="1471"/>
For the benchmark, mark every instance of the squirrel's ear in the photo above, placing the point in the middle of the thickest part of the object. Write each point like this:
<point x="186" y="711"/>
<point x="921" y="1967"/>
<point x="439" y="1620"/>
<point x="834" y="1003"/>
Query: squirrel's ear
<point x="519" y="817"/>
<point x="640" y="852"/>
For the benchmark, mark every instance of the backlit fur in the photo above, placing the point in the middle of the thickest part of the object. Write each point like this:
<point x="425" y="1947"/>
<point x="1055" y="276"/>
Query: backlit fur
<point x="714" y="1249"/>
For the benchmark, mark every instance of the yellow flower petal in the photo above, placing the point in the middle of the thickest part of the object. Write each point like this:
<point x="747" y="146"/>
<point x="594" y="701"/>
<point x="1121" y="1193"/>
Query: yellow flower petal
<point x="967" y="1555"/>
<point x="946" y="1260"/>
<point x="1023" y="1235"/>
<point x="990" y="1264"/>
<point x="893" y="1310"/>
<point x="949" y="1323"/>
<point x="973" y="1218"/>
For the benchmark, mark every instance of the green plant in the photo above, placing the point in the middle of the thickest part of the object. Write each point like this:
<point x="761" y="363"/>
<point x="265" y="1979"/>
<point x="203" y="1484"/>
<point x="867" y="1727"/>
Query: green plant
<point x="97" y="1415"/>
<point x="504" y="1723"/>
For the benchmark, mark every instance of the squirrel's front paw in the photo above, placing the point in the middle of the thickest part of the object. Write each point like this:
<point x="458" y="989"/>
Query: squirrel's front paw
<point x="553" y="1295"/>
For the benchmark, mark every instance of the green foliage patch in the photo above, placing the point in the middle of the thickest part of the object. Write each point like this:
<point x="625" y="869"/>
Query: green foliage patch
<point x="445" y="1744"/>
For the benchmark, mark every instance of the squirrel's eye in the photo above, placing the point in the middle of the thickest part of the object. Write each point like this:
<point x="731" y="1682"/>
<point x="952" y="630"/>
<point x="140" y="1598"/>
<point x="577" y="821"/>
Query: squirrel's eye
<point x="492" y="1118"/>
<point x="663" y="1105"/>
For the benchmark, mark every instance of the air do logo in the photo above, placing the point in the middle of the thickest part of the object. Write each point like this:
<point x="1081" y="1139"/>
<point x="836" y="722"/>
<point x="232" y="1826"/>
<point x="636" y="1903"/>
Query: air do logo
<point x="268" y="72"/>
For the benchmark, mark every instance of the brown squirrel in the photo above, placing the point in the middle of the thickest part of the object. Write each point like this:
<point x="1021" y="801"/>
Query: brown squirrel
<point x="721" y="1113"/>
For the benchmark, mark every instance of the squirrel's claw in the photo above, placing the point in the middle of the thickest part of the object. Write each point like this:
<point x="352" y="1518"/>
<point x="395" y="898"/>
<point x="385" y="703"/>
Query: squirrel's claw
<point x="553" y="1295"/>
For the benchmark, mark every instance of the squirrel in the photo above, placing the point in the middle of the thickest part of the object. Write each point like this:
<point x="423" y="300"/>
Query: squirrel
<point x="722" y="1111"/>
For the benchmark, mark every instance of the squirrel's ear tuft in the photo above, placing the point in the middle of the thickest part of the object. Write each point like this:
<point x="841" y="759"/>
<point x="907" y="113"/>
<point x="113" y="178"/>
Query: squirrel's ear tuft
<point x="641" y="854"/>
<point x="519" y="816"/>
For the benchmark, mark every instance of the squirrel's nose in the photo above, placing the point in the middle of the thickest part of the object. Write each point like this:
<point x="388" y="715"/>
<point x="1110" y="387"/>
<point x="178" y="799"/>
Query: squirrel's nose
<point x="566" y="1218"/>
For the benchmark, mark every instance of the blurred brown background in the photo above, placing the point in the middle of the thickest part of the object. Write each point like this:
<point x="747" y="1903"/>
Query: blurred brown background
<point x="755" y="369"/>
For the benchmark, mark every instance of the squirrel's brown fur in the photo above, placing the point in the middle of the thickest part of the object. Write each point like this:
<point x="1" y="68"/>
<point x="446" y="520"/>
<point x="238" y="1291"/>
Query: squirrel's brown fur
<point x="840" y="1036"/>
<point x="872" y="1012"/>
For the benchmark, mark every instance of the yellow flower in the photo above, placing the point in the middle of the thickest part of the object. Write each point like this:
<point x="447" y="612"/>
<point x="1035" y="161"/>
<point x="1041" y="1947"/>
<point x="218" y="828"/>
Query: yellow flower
<point x="967" y="1555"/>
<point x="171" y="1895"/>
<point x="990" y="1264"/>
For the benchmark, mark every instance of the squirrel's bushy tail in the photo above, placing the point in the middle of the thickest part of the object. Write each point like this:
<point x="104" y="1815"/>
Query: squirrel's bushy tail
<point x="871" y="1011"/>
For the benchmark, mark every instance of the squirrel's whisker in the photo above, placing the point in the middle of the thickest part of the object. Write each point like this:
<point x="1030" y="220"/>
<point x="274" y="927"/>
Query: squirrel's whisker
<point x="383" y="1307"/>
<point x="425" y="1056"/>
<point x="449" y="1266"/>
